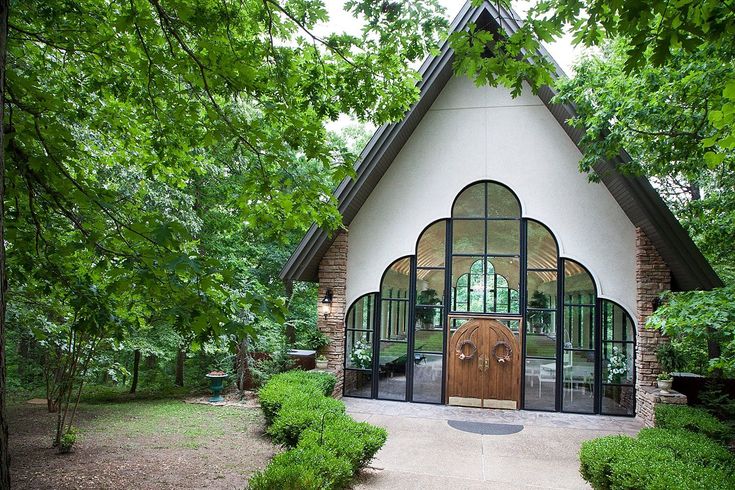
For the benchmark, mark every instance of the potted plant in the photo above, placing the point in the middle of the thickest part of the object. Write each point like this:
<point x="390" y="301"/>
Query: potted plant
<point x="321" y="362"/>
<point x="664" y="382"/>
<point x="216" y="383"/>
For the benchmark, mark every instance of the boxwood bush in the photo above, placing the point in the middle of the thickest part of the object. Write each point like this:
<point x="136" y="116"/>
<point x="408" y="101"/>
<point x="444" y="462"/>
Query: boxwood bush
<point x="692" y="419"/>
<point x="327" y="447"/>
<point x="657" y="459"/>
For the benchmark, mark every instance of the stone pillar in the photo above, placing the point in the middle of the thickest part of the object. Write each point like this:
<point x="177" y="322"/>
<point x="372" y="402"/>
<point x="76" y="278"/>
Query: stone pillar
<point x="333" y="275"/>
<point x="652" y="278"/>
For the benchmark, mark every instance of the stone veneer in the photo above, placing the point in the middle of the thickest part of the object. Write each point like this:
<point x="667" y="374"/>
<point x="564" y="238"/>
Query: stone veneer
<point x="333" y="275"/>
<point x="652" y="277"/>
<point x="649" y="397"/>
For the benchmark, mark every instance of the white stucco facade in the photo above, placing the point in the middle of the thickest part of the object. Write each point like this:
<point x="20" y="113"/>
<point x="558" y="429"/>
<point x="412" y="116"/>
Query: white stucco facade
<point x="471" y="134"/>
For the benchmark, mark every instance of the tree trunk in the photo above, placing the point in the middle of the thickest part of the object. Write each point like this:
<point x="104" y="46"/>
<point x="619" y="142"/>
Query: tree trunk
<point x="4" y="456"/>
<point x="290" y="329"/>
<point x="136" y="367"/>
<point x="180" y="358"/>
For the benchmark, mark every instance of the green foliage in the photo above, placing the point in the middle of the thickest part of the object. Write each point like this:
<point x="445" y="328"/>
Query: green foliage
<point x="67" y="440"/>
<point x="327" y="446"/>
<point x="304" y="468"/>
<point x="656" y="459"/>
<point x="697" y="317"/>
<point x="669" y="358"/>
<point x="356" y="442"/>
<point x="692" y="419"/>
<point x="291" y="384"/>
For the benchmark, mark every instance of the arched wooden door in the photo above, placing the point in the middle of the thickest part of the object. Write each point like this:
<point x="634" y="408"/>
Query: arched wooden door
<point x="484" y="367"/>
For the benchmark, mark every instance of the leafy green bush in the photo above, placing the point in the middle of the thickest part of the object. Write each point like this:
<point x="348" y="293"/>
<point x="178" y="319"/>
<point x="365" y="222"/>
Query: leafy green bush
<point x="692" y="419"/>
<point x="307" y="467"/>
<point x="67" y="440"/>
<point x="293" y="383"/>
<point x="328" y="447"/>
<point x="597" y="456"/>
<point x="298" y="413"/>
<point x="356" y="442"/>
<point x="657" y="459"/>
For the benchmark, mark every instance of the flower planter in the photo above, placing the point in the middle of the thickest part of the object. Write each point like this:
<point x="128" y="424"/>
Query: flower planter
<point x="665" y="385"/>
<point x="216" y="383"/>
<point x="321" y="364"/>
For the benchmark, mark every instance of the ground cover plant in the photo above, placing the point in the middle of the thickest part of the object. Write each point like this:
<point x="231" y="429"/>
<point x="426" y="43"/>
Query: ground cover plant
<point x="683" y="451"/>
<point x="141" y="443"/>
<point x="325" y="447"/>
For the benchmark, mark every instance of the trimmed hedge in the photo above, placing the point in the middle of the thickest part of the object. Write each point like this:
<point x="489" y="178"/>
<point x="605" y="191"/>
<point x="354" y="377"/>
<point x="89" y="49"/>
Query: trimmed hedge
<point x="657" y="459"/>
<point x="327" y="448"/>
<point x="692" y="419"/>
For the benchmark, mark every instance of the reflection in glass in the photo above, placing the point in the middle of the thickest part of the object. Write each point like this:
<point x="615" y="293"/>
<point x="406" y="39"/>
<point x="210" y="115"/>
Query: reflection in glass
<point x="359" y="350"/>
<point x="616" y="323"/>
<point x="503" y="237"/>
<point x="541" y="246"/>
<point x="618" y="400"/>
<point x="579" y="327"/>
<point x="540" y="393"/>
<point x="427" y="377"/>
<point x="395" y="281"/>
<point x="541" y="287"/>
<point x="617" y="362"/>
<point x="392" y="370"/>
<point x="429" y="335"/>
<point x="578" y="285"/>
<point x="429" y="286"/>
<point x="579" y="381"/>
<point x="468" y="237"/>
<point x="430" y="251"/>
<point x="541" y="334"/>
<point x="501" y="203"/>
<point x="360" y="315"/>
<point x="471" y="202"/>
<point x="358" y="383"/>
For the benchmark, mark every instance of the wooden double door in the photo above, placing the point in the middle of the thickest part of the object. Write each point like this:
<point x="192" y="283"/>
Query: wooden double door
<point x="484" y="366"/>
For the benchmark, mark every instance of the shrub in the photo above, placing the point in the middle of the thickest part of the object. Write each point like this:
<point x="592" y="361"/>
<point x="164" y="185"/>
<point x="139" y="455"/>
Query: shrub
<point x="357" y="442"/>
<point x="657" y="459"/>
<point x="692" y="419"/>
<point x="298" y="413"/>
<point x="67" y="440"/>
<point x="597" y="456"/>
<point x="328" y="447"/>
<point x="304" y="468"/>
<point x="292" y="383"/>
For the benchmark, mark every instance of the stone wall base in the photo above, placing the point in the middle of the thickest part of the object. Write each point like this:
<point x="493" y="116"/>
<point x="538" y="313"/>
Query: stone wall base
<point x="649" y="397"/>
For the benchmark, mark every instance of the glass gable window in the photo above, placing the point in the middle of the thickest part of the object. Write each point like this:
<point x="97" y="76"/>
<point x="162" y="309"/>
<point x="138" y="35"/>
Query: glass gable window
<point x="486" y="250"/>
<point x="577" y="350"/>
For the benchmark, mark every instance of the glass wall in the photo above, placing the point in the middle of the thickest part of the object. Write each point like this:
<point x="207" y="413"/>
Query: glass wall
<point x="541" y="327"/>
<point x="488" y="261"/>
<point x="578" y="369"/>
<point x="393" y="338"/>
<point x="618" y="360"/>
<point x="359" y="347"/>
<point x="486" y="250"/>
<point x="428" y="338"/>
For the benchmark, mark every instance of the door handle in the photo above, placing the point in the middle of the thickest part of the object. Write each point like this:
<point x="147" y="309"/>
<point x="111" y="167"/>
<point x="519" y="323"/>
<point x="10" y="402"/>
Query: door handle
<point x="481" y="363"/>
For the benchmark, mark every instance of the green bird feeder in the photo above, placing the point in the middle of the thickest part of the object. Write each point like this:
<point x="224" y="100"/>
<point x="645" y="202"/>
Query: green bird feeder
<point x="216" y="383"/>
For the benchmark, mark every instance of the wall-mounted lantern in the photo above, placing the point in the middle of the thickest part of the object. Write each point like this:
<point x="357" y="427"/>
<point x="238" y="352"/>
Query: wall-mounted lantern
<point x="326" y="306"/>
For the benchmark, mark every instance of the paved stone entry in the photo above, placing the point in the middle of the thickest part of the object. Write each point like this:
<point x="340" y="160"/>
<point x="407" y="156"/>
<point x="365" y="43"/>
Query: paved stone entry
<point x="424" y="451"/>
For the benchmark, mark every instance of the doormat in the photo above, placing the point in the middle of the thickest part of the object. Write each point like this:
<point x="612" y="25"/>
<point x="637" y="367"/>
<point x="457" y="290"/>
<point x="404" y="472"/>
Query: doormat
<point x="485" y="428"/>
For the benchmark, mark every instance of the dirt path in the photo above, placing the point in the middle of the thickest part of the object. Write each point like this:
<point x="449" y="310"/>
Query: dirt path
<point x="142" y="445"/>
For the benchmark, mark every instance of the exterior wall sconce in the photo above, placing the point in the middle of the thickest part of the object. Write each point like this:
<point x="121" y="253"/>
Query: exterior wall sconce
<point x="326" y="306"/>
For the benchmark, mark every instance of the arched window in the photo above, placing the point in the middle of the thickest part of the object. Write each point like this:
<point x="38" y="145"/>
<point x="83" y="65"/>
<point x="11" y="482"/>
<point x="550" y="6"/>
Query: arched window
<point x="393" y="338"/>
<point x="618" y="360"/>
<point x="578" y="363"/>
<point x="359" y="330"/>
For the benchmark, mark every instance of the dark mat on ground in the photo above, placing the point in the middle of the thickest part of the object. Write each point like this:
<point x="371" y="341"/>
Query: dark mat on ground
<point x="485" y="428"/>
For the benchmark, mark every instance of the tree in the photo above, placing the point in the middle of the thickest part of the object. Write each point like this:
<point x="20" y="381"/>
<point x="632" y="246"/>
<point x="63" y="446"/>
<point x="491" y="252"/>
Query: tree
<point x="106" y="103"/>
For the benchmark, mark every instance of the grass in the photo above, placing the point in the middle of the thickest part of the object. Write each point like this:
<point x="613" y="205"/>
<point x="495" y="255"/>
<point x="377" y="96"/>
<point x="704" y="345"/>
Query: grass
<point x="172" y="422"/>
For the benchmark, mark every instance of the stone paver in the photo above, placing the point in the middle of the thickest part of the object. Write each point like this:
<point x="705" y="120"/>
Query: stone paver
<point x="424" y="452"/>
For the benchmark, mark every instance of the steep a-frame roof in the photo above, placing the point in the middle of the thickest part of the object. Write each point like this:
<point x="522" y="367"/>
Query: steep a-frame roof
<point x="635" y="195"/>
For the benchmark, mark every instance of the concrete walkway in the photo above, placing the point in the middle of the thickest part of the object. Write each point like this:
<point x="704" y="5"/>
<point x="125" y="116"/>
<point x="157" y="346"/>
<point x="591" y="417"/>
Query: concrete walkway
<point x="424" y="452"/>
